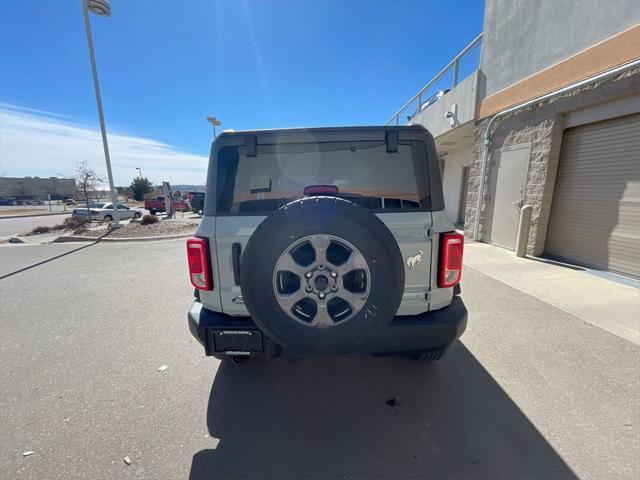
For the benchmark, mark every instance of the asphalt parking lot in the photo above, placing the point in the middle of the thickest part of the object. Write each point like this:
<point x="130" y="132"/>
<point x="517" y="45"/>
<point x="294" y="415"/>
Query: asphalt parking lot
<point x="530" y="392"/>
<point x="11" y="226"/>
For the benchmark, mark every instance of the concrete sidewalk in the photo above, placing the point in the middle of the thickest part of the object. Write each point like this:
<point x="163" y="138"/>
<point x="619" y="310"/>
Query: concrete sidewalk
<point x="608" y="304"/>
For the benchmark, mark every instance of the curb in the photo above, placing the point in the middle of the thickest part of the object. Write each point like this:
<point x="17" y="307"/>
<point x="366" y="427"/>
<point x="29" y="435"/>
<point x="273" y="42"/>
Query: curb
<point x="4" y="217"/>
<point x="80" y="238"/>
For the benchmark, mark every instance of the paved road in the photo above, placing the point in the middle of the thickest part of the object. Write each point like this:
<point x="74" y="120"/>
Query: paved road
<point x="530" y="392"/>
<point x="11" y="226"/>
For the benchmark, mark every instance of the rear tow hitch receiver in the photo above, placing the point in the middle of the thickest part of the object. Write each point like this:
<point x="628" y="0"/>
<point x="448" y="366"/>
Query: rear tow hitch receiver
<point x="238" y="358"/>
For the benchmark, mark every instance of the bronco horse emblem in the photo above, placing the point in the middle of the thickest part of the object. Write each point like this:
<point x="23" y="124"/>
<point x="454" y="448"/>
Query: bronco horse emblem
<point x="414" y="260"/>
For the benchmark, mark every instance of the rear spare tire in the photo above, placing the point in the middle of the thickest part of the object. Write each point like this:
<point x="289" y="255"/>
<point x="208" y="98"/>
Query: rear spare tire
<point x="321" y="275"/>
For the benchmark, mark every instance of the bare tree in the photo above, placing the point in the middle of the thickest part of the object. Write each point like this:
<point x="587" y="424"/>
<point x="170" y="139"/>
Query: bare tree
<point x="87" y="180"/>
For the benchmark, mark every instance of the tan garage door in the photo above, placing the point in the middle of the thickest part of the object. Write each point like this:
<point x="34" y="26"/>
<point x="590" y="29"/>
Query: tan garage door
<point x="595" y="215"/>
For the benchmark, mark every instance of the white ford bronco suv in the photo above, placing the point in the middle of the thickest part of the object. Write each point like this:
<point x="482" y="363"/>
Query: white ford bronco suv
<point x="325" y="241"/>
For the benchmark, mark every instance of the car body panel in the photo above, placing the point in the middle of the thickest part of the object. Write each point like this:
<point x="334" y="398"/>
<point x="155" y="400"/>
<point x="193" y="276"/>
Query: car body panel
<point x="230" y="230"/>
<point x="196" y="201"/>
<point x="99" y="214"/>
<point x="429" y="331"/>
<point x="411" y="231"/>
<point x="158" y="204"/>
<point x="211" y="298"/>
<point x="416" y="231"/>
<point x="439" y="297"/>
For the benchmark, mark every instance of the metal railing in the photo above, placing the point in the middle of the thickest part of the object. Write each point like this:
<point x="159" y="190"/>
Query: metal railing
<point x="453" y="66"/>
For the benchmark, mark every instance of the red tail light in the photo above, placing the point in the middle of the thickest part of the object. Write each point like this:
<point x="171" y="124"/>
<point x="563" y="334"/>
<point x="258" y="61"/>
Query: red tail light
<point x="451" y="246"/>
<point x="198" y="258"/>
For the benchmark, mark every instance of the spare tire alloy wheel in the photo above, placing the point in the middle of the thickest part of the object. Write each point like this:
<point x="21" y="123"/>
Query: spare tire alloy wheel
<point x="321" y="275"/>
<point x="324" y="294"/>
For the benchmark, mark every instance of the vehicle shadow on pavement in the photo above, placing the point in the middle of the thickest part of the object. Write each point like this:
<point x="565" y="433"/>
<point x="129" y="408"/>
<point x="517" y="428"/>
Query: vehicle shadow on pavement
<point x="47" y="260"/>
<point x="369" y="418"/>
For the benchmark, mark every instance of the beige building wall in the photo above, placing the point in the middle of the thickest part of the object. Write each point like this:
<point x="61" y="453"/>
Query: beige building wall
<point x="37" y="187"/>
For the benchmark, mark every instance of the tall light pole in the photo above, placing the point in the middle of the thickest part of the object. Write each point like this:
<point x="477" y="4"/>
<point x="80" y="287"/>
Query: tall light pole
<point x="101" y="8"/>
<point x="139" y="172"/>
<point x="215" y="122"/>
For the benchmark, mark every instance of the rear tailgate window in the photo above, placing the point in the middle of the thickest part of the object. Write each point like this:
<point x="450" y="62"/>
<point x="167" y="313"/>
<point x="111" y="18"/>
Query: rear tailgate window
<point x="363" y="172"/>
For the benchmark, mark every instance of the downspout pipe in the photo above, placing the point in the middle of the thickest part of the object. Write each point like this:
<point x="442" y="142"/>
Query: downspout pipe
<point x="546" y="96"/>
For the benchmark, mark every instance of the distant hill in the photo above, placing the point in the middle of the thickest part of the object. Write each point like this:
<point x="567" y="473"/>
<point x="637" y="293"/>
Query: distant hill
<point x="188" y="188"/>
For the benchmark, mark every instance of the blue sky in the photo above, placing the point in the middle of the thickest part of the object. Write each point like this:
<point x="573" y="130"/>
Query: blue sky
<point x="165" y="65"/>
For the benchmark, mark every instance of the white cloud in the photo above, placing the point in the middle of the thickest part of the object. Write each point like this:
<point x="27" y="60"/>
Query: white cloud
<point x="38" y="143"/>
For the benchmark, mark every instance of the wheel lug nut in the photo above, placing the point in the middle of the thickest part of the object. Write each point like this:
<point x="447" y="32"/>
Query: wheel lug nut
<point x="308" y="289"/>
<point x="333" y="274"/>
<point x="321" y="295"/>
<point x="320" y="267"/>
<point x="334" y="288"/>
<point x="308" y="274"/>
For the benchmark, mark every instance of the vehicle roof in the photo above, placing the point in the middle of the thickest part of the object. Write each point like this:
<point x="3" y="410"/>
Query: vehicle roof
<point x="293" y="130"/>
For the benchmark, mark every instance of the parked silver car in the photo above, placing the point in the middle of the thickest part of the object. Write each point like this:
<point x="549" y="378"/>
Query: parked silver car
<point x="103" y="212"/>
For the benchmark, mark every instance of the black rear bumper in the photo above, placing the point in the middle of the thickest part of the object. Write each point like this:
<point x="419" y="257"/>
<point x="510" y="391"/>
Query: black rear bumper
<point x="427" y="332"/>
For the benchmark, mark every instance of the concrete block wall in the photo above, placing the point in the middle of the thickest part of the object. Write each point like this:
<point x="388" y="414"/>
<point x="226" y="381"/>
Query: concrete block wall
<point x="536" y="130"/>
<point x="542" y="126"/>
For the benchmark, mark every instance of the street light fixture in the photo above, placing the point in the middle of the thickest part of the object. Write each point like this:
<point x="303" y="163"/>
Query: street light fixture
<point x="139" y="172"/>
<point x="103" y="9"/>
<point x="99" y="7"/>
<point x="215" y="122"/>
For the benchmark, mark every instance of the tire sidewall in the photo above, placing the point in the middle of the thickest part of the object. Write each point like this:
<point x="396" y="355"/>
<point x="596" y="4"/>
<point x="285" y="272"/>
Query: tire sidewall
<point x="340" y="219"/>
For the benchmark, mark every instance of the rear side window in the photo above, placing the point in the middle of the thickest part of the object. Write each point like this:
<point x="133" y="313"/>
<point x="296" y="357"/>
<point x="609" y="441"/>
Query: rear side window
<point x="363" y="172"/>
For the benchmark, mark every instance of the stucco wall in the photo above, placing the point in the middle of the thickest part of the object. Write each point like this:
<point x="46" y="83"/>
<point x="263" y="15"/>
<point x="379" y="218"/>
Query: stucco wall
<point x="451" y="180"/>
<point x="463" y="95"/>
<point x="541" y="125"/>
<point x="521" y="37"/>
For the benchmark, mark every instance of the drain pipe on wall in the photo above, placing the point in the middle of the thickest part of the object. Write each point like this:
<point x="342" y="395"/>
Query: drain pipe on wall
<point x="546" y="96"/>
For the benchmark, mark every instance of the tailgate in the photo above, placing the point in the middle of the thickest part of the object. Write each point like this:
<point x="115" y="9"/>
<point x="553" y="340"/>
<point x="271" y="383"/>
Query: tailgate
<point x="411" y="231"/>
<point x="229" y="231"/>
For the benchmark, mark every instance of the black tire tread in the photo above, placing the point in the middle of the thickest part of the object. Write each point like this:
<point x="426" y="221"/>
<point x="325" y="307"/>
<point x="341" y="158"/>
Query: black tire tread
<point x="338" y="217"/>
